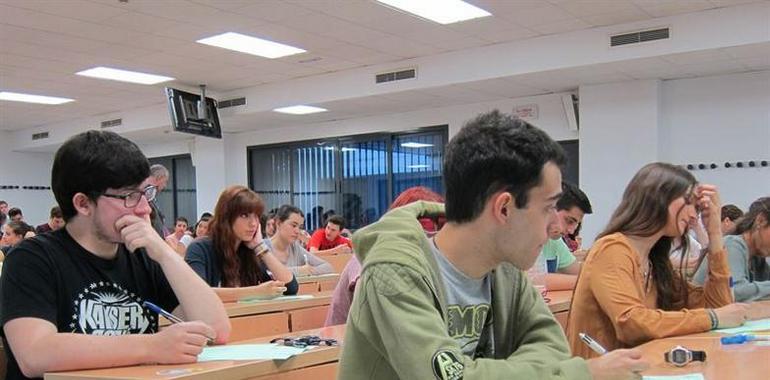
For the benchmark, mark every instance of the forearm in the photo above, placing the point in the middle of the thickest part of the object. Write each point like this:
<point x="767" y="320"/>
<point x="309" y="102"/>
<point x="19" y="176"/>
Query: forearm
<point x="559" y="281"/>
<point x="66" y="351"/>
<point x="716" y="290"/>
<point x="280" y="272"/>
<point x="748" y="291"/>
<point x="197" y="300"/>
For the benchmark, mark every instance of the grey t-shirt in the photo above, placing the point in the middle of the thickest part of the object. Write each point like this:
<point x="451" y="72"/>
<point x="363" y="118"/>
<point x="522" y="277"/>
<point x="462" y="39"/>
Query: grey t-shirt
<point x="748" y="285"/>
<point x="468" y="308"/>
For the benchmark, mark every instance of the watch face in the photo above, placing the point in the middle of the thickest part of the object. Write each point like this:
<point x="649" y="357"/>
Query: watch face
<point x="679" y="356"/>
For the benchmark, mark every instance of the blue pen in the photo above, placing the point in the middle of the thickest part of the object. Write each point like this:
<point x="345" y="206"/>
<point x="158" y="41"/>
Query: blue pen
<point x="742" y="338"/>
<point x="171" y="317"/>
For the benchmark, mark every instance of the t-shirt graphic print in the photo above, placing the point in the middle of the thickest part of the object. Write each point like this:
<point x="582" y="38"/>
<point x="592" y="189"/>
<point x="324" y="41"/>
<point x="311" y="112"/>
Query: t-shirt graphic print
<point x="105" y="308"/>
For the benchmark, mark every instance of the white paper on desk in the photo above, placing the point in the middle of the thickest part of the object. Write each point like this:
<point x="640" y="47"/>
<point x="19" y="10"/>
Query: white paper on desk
<point x="249" y="352"/>
<point x="689" y="376"/>
<point x="258" y="299"/>
<point x="758" y="325"/>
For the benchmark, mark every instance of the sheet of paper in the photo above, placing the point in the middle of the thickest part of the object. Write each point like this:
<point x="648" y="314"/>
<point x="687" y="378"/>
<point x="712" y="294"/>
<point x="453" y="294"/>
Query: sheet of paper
<point x="758" y="325"/>
<point x="281" y="298"/>
<point x="248" y="352"/>
<point x="689" y="376"/>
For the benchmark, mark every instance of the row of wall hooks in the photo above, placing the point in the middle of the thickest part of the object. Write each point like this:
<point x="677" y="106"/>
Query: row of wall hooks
<point x="728" y="165"/>
<point x="26" y="187"/>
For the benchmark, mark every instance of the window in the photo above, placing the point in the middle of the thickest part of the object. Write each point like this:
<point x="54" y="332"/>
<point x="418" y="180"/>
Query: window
<point x="355" y="176"/>
<point x="179" y="197"/>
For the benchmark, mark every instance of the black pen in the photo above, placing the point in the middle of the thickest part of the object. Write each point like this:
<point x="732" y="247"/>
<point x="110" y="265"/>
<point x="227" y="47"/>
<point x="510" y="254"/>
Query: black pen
<point x="171" y="317"/>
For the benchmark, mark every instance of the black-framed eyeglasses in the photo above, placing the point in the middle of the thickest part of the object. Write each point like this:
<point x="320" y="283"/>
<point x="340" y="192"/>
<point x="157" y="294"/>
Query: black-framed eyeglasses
<point x="131" y="199"/>
<point x="304" y="341"/>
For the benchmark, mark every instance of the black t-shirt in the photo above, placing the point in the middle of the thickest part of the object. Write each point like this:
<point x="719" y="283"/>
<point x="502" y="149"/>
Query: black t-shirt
<point x="52" y="277"/>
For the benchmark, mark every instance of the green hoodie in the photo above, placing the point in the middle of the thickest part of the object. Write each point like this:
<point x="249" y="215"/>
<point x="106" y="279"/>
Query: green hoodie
<point x="397" y="327"/>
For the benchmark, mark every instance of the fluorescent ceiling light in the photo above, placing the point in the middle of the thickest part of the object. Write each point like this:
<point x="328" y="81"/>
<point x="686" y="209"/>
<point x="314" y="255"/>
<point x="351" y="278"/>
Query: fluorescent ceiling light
<point x="418" y="166"/>
<point x="27" y="98"/>
<point x="250" y="45"/>
<point x="123" y="75"/>
<point x="440" y="11"/>
<point x="300" y="110"/>
<point x="415" y="145"/>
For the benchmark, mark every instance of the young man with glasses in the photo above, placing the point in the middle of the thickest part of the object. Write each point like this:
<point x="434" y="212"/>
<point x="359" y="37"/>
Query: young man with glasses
<point x="457" y="306"/>
<point x="73" y="298"/>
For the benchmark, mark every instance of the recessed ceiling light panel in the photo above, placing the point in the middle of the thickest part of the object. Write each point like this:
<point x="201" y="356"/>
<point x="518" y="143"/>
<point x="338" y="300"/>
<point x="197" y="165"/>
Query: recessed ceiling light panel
<point x="440" y="11"/>
<point x="123" y="75"/>
<point x="250" y="45"/>
<point x="28" y="98"/>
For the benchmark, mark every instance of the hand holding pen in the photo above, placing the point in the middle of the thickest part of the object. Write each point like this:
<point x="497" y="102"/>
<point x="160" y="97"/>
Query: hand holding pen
<point x="180" y="342"/>
<point x="616" y="364"/>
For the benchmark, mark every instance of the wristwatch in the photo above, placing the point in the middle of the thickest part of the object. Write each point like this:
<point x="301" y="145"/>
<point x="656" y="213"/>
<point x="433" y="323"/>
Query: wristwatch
<point x="680" y="356"/>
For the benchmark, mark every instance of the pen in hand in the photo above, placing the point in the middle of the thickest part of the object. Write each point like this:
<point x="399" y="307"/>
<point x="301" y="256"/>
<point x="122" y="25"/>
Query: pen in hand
<point x="592" y="344"/>
<point x="171" y="317"/>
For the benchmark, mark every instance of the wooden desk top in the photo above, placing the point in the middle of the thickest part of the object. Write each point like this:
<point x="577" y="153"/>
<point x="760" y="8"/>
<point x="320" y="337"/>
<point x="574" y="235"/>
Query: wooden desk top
<point x="235" y="309"/>
<point x="224" y="370"/>
<point x="740" y="361"/>
<point x="560" y="300"/>
<point x="319" y="278"/>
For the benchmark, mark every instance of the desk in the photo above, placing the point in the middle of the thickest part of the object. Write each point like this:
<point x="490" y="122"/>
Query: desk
<point x="559" y="305"/>
<point x="318" y="363"/>
<point x="741" y="361"/>
<point x="259" y="319"/>
<point x="317" y="284"/>
<point x="338" y="261"/>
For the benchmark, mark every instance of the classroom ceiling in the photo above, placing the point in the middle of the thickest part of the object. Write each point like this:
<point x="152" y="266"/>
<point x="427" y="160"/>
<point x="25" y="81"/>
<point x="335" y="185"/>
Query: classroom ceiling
<point x="44" y="42"/>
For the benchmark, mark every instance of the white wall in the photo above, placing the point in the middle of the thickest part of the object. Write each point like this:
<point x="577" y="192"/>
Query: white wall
<point x="619" y="125"/>
<point x="700" y="120"/>
<point x="26" y="169"/>
<point x="718" y="119"/>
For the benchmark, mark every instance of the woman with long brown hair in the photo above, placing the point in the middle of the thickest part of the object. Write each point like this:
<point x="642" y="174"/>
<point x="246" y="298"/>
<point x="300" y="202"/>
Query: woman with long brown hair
<point x="233" y="258"/>
<point x="628" y="292"/>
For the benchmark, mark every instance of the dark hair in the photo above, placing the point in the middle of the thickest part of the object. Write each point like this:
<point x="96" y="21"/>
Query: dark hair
<point x="731" y="212"/>
<point x="183" y="219"/>
<point x="491" y="153"/>
<point x="643" y="211"/>
<point x="285" y="211"/>
<point x="20" y="228"/>
<point x="202" y="219"/>
<point x="92" y="162"/>
<point x="758" y="267"/>
<point x="206" y="215"/>
<point x="55" y="212"/>
<point x="14" y="212"/>
<point x="239" y="266"/>
<point x="3" y="203"/>
<point x="572" y="196"/>
<point x="336" y="219"/>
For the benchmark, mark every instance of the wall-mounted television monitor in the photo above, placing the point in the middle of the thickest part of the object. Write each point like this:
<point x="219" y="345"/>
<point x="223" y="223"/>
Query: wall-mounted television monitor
<point x="185" y="115"/>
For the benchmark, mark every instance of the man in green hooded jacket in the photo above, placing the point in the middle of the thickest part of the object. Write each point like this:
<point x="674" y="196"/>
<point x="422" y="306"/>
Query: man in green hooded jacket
<point x="458" y="306"/>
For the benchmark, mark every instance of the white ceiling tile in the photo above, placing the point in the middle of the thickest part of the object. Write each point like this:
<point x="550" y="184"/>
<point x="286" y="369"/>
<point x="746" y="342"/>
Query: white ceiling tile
<point x="46" y="38"/>
<point x="540" y="15"/>
<point x="502" y="7"/>
<point x="461" y="43"/>
<point x="229" y="5"/>
<point x="502" y="87"/>
<point x="660" y="8"/>
<point x="727" y="3"/>
<point x="400" y="47"/>
<point x="560" y="27"/>
<point x="514" y="34"/>
<point x="462" y="94"/>
<point x="76" y="9"/>
<point x="273" y="10"/>
<point x="615" y="17"/>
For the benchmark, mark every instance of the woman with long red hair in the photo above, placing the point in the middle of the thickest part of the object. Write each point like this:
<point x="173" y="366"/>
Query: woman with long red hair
<point x="233" y="258"/>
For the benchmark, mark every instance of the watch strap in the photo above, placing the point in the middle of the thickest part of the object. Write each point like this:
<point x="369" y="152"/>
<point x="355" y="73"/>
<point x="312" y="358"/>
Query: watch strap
<point x="699" y="356"/>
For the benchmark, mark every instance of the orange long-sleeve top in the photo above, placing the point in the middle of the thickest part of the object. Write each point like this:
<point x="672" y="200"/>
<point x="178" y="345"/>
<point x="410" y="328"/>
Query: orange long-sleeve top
<point x="610" y="303"/>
